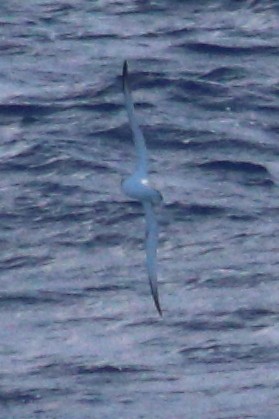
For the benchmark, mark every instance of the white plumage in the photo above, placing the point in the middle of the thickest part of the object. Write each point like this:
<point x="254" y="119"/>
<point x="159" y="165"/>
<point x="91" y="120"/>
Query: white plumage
<point x="137" y="187"/>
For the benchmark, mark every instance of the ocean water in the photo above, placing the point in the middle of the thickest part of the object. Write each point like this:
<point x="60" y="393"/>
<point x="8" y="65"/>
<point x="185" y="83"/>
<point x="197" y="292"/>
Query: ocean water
<point x="79" y="335"/>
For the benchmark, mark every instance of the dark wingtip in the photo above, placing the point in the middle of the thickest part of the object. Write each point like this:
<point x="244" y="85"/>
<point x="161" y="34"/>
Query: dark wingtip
<point x="124" y="73"/>
<point x="125" y="68"/>
<point x="157" y="304"/>
<point x="160" y="311"/>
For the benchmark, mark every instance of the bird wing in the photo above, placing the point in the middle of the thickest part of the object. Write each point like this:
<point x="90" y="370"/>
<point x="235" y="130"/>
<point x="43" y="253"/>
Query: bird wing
<point x="137" y="133"/>
<point x="151" y="251"/>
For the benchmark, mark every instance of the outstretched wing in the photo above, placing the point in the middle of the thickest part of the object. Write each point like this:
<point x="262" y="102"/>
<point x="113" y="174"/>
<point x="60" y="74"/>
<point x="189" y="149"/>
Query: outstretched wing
<point x="151" y="251"/>
<point x="137" y="133"/>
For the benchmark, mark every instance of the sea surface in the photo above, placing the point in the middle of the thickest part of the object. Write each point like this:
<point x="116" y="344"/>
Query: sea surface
<point x="79" y="334"/>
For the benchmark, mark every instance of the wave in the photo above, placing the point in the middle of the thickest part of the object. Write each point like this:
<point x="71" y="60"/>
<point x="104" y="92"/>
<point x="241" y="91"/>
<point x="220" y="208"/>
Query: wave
<point x="28" y="112"/>
<point x="12" y="397"/>
<point x="238" y="166"/>
<point x="180" y="210"/>
<point x="218" y="49"/>
<point x="247" y="172"/>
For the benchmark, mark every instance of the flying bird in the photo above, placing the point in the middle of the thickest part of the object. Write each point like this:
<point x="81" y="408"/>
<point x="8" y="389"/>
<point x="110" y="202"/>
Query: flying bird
<point x="138" y="188"/>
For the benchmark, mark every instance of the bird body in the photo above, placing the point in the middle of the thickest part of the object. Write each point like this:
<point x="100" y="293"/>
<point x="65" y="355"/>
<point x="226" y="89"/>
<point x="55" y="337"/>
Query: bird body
<point x="137" y="187"/>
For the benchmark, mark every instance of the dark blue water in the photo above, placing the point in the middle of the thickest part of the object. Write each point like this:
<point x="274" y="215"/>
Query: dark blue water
<point x="80" y="337"/>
